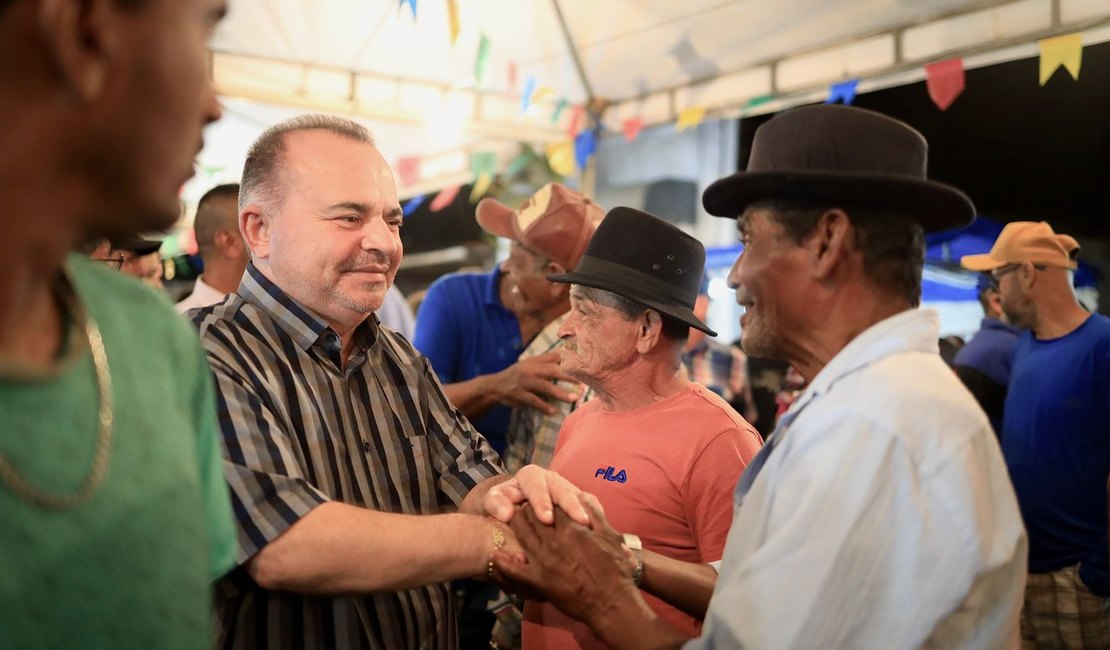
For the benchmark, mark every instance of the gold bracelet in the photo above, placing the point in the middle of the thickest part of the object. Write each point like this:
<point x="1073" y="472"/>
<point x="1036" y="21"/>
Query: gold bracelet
<point x="498" y="543"/>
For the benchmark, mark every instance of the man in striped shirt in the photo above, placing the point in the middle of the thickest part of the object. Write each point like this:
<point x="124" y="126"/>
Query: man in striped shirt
<point x="358" y="489"/>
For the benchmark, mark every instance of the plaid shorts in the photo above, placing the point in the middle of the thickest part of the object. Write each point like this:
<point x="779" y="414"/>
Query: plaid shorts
<point x="1060" y="612"/>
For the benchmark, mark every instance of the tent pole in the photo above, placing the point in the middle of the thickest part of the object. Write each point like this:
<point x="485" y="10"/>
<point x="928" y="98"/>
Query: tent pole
<point x="573" y="52"/>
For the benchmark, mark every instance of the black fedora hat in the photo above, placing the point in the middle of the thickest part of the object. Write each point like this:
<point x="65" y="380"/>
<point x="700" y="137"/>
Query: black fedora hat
<point x="643" y="258"/>
<point x="842" y="154"/>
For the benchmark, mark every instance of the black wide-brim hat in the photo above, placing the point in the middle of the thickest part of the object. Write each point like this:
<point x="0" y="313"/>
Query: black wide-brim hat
<point x="841" y="154"/>
<point x="641" y="257"/>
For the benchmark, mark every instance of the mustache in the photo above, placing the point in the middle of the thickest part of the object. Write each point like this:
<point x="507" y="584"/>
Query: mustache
<point x="368" y="259"/>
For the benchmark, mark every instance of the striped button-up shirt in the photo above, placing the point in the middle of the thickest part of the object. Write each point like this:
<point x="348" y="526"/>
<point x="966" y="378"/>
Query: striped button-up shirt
<point x="300" y="429"/>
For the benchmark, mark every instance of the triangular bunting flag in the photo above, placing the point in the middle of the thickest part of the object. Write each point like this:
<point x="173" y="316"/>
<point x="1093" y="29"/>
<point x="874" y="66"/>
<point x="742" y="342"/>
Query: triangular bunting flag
<point x="526" y="96"/>
<point x="558" y="112"/>
<point x="412" y="204"/>
<point x="453" y="20"/>
<point x="482" y="59"/>
<point x="481" y="185"/>
<point x="690" y="117"/>
<point x="1064" y="51"/>
<point x="512" y="76"/>
<point x="945" y="80"/>
<point x="542" y="94"/>
<point x="844" y="92"/>
<point x="411" y="4"/>
<point x="517" y="164"/>
<point x="575" y="121"/>
<point x="483" y="162"/>
<point x="756" y="101"/>
<point x="445" y="198"/>
<point x="560" y="157"/>
<point x="585" y="145"/>
<point x="408" y="169"/>
<point x="632" y="127"/>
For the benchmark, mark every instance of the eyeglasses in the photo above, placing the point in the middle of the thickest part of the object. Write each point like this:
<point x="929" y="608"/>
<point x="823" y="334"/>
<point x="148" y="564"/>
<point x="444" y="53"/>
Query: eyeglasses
<point x="114" y="263"/>
<point x="1010" y="268"/>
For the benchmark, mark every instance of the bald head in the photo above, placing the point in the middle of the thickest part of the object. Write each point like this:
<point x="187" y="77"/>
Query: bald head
<point x="263" y="167"/>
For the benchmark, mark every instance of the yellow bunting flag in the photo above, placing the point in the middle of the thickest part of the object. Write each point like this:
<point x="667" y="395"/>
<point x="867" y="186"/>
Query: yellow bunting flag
<point x="542" y="94"/>
<point x="1059" y="51"/>
<point x="453" y="19"/>
<point x="560" y="157"/>
<point x="481" y="185"/>
<point x="690" y="117"/>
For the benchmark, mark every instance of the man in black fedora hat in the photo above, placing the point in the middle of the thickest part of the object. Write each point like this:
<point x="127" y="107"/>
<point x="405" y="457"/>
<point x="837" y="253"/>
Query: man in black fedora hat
<point x="661" y="453"/>
<point x="879" y="513"/>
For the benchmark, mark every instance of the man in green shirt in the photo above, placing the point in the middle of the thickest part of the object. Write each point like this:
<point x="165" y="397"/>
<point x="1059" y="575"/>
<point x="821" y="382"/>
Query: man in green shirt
<point x="115" y="513"/>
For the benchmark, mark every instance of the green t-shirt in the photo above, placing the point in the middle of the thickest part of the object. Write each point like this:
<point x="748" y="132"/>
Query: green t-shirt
<point x="133" y="566"/>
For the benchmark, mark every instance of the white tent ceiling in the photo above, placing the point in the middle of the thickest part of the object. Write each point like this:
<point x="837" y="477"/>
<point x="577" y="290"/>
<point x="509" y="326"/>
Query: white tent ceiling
<point x="646" y="58"/>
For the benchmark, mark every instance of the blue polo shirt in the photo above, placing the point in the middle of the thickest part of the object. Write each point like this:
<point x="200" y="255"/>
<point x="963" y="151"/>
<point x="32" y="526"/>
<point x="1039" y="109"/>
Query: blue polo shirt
<point x="1056" y="440"/>
<point x="466" y="332"/>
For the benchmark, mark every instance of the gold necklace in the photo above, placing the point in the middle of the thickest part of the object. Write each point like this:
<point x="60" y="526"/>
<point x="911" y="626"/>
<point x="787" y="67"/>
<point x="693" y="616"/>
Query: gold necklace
<point x="19" y="486"/>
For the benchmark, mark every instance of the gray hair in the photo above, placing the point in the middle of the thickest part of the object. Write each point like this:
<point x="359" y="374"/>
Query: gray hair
<point x="263" y="164"/>
<point x="630" y="309"/>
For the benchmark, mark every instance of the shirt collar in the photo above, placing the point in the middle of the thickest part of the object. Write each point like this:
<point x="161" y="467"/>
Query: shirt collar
<point x="202" y="289"/>
<point x="300" y="323"/>
<point x="996" y="324"/>
<point x="911" y="330"/>
<point x="493" y="287"/>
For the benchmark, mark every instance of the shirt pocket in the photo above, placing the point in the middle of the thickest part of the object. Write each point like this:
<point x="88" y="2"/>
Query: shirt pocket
<point x="413" y="486"/>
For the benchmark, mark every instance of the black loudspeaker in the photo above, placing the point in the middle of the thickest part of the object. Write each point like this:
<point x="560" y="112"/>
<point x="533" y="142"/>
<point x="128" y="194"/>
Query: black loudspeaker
<point x="672" y="200"/>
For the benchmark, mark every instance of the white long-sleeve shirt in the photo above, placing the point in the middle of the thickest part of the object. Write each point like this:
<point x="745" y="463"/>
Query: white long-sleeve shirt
<point x="883" y="517"/>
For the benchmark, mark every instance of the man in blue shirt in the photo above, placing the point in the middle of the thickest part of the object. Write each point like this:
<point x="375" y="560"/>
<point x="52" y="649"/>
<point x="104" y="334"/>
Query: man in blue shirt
<point x="983" y="365"/>
<point x="473" y="326"/>
<point x="1056" y="434"/>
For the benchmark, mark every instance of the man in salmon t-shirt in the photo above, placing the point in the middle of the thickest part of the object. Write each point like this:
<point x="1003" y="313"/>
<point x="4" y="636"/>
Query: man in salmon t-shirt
<point x="661" y="453"/>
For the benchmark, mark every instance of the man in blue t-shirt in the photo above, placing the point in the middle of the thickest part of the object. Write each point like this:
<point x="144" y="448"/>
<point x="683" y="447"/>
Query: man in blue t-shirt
<point x="473" y="326"/>
<point x="1056" y="434"/>
<point x="984" y="364"/>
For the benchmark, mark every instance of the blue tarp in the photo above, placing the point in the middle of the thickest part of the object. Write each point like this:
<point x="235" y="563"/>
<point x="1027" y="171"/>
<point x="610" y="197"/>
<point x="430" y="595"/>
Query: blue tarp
<point x="942" y="279"/>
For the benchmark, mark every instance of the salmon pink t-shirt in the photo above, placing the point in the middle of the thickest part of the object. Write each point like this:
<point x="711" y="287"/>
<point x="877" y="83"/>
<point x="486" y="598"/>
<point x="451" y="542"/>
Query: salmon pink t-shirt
<point x="665" y="472"/>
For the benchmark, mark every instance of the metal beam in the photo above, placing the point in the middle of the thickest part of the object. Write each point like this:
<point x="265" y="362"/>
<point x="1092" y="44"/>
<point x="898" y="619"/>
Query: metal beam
<point x="573" y="49"/>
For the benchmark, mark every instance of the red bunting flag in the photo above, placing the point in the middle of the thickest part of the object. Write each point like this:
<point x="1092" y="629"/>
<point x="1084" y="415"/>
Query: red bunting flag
<point x="575" y="121"/>
<point x="632" y="127"/>
<point x="445" y="198"/>
<point x="945" y="80"/>
<point x="512" y="76"/>
<point x="408" y="169"/>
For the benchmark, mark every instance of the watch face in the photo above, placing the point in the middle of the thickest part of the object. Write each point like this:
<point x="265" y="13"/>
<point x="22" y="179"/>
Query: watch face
<point x="633" y="542"/>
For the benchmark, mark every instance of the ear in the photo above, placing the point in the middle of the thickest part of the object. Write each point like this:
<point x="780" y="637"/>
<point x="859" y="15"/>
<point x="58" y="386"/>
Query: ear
<point x="829" y="242"/>
<point x="556" y="289"/>
<point x="79" y="37"/>
<point x="650" y="330"/>
<point x="226" y="240"/>
<point x="1028" y="275"/>
<point x="995" y="301"/>
<point x="255" y="226"/>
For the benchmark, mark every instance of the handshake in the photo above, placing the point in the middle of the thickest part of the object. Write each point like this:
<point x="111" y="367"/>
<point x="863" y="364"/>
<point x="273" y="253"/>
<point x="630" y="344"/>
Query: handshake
<point x="551" y="541"/>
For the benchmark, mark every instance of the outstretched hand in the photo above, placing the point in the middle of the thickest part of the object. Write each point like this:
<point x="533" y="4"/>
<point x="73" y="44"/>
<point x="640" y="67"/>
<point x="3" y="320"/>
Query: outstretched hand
<point x="544" y="490"/>
<point x="530" y="382"/>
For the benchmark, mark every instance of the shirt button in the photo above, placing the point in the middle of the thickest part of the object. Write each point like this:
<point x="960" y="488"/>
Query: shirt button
<point x="366" y="446"/>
